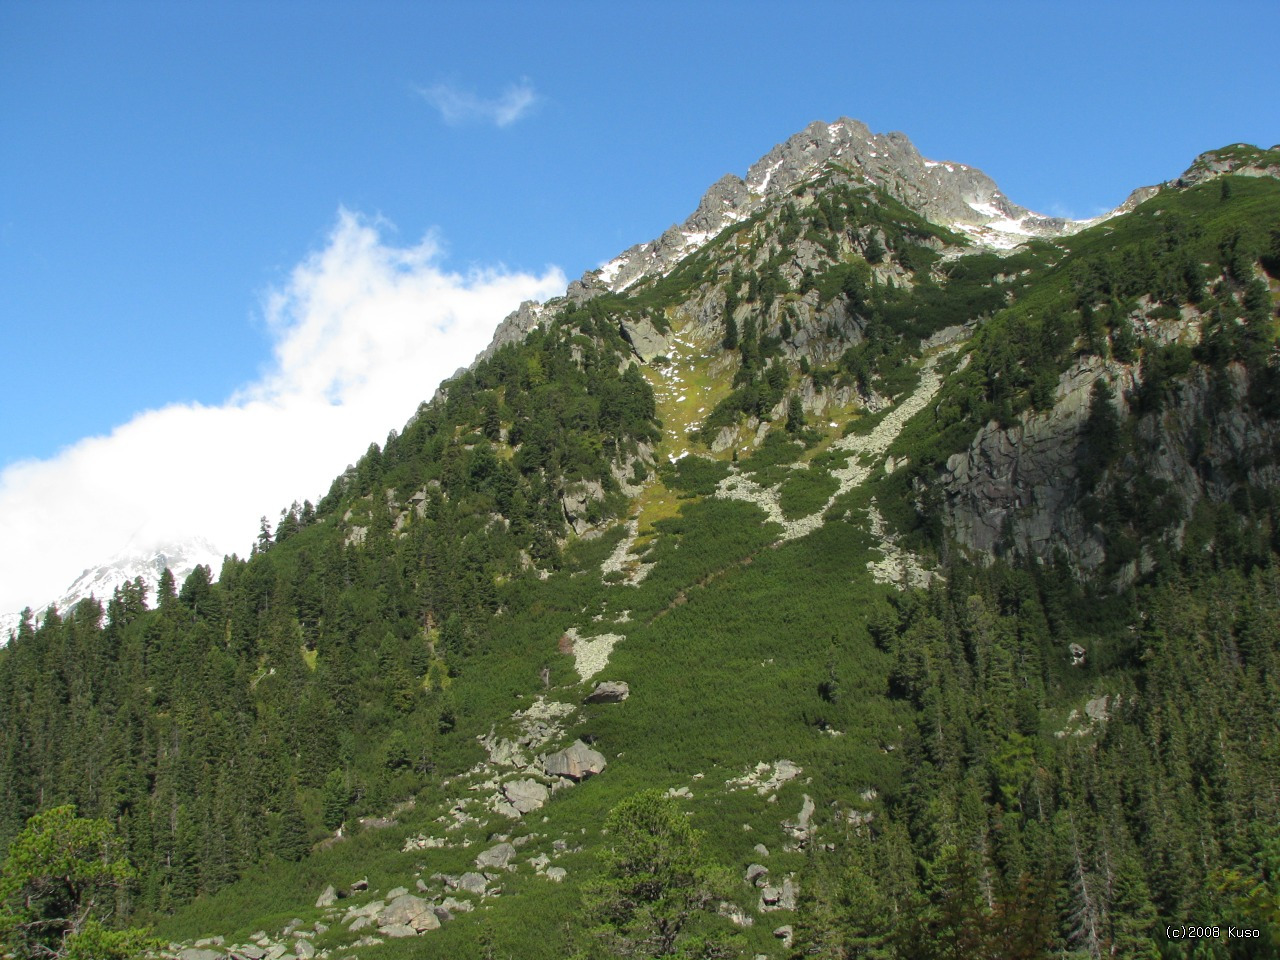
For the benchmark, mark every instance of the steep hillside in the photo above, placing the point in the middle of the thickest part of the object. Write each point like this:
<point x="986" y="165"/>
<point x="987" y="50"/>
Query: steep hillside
<point x="873" y="547"/>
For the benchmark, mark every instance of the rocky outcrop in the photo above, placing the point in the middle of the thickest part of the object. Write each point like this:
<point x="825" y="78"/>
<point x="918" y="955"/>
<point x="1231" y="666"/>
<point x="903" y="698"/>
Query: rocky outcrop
<point x="1017" y="489"/>
<point x="577" y="499"/>
<point x="646" y="342"/>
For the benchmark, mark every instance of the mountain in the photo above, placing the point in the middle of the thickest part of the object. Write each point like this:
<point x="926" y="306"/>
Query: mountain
<point x="180" y="558"/>
<point x="828" y="577"/>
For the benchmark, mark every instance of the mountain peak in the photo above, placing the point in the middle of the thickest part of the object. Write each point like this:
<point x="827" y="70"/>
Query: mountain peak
<point x="951" y="194"/>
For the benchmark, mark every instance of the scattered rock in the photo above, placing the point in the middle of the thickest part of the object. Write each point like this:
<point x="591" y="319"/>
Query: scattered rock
<point x="735" y="914"/>
<point x="556" y="874"/>
<point x="198" y="953"/>
<point x="784" y="933"/>
<point x="1078" y="655"/>
<point x="609" y="691"/>
<point x="359" y="885"/>
<point x="397" y="892"/>
<point x="767" y="777"/>
<point x="577" y="762"/>
<point x="755" y="874"/>
<point x="761" y="849"/>
<point x="304" y="950"/>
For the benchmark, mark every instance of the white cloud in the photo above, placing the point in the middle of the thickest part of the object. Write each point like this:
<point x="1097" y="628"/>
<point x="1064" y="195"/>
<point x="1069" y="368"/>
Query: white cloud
<point x="364" y="332"/>
<point x="462" y="106"/>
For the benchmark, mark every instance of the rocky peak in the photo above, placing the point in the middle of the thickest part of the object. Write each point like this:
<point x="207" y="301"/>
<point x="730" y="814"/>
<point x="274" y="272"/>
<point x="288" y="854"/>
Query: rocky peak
<point x="1238" y="159"/>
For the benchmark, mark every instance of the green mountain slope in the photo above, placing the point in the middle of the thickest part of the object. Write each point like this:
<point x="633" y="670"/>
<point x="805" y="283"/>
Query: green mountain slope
<point x="940" y="578"/>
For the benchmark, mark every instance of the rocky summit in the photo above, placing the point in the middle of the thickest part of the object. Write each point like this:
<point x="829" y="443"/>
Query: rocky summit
<point x="867" y="566"/>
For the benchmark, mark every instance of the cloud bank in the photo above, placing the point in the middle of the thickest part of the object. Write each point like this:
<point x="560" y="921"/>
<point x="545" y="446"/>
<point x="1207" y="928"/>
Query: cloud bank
<point x="462" y="106"/>
<point x="364" y="331"/>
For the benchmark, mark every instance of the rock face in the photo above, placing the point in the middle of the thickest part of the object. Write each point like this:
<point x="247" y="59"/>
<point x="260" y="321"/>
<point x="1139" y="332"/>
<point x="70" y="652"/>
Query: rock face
<point x="577" y="762"/>
<point x="609" y="691"/>
<point x="1017" y="488"/>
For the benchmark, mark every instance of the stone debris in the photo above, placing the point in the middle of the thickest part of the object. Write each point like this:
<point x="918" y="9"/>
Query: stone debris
<point x="861" y="450"/>
<point x="591" y="654"/>
<point x="621" y="561"/>
<point x="767" y="777"/>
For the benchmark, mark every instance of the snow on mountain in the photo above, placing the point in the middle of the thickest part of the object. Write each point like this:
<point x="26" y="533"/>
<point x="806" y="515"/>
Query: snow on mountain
<point x="101" y="581"/>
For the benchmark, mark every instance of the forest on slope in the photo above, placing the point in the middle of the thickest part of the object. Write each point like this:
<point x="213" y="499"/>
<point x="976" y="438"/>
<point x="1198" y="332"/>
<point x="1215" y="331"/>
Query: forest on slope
<point x="981" y="788"/>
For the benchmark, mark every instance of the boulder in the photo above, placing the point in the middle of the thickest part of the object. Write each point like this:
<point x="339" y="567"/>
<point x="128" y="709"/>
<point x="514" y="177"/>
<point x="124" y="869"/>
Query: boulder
<point x="577" y="762"/>
<point x="303" y="950"/>
<point x="556" y="874"/>
<point x="410" y="911"/>
<point x="328" y="898"/>
<point x="498" y="857"/>
<point x="609" y="691"/>
<point x="525" y="795"/>
<point x="755" y="874"/>
<point x="197" y="953"/>
<point x="473" y="883"/>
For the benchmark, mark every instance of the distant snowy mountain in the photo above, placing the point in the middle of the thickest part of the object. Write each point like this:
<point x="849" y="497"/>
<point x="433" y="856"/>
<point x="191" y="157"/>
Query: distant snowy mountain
<point x="101" y="581"/>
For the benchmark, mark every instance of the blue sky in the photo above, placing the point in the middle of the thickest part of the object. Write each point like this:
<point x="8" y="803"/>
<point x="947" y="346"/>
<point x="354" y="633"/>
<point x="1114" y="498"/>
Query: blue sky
<point x="180" y="182"/>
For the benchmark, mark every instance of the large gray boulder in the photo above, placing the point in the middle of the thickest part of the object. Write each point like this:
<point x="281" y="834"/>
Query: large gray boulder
<point x="609" y="691"/>
<point x="525" y="795"/>
<point x="496" y="858"/>
<point x="410" y="911"/>
<point x="577" y="762"/>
